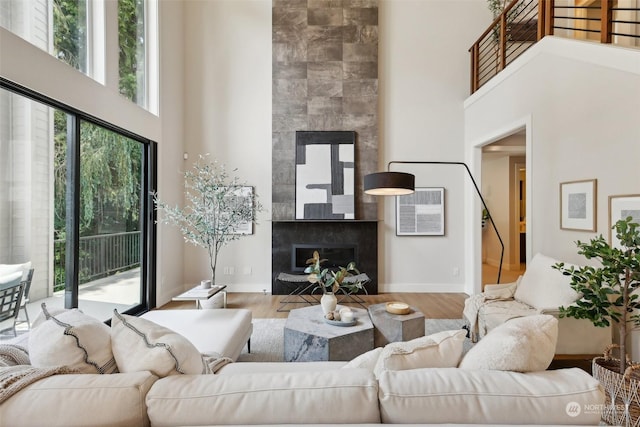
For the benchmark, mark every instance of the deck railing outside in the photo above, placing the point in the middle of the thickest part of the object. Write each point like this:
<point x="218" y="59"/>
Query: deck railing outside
<point x="524" y="22"/>
<point x="100" y="256"/>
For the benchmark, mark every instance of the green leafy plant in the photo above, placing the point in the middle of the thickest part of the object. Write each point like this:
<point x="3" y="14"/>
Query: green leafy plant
<point x="329" y="280"/>
<point x="496" y="7"/>
<point x="215" y="211"/>
<point x="609" y="291"/>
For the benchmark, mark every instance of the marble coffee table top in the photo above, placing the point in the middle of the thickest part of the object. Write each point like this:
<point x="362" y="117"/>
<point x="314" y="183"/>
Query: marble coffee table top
<point x="310" y="320"/>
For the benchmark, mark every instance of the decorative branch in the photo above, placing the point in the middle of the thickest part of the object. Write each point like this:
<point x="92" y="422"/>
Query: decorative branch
<point x="216" y="208"/>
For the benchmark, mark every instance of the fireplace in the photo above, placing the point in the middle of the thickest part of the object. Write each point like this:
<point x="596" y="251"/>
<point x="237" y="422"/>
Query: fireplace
<point x="336" y="255"/>
<point x="341" y="242"/>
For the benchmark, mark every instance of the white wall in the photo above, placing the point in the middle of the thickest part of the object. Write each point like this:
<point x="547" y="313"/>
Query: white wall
<point x="424" y="79"/>
<point x="228" y="114"/>
<point x="170" y="250"/>
<point x="582" y="104"/>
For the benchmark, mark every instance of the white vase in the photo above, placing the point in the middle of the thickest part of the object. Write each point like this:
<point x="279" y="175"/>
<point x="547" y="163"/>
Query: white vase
<point x="328" y="302"/>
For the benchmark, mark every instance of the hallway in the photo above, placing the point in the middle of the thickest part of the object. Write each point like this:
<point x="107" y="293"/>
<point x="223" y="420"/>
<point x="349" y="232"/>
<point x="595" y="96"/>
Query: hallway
<point x="490" y="274"/>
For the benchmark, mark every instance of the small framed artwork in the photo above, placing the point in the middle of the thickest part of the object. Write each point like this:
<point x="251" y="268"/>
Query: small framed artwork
<point x="621" y="207"/>
<point x="578" y="205"/>
<point x="421" y="213"/>
<point x="244" y="197"/>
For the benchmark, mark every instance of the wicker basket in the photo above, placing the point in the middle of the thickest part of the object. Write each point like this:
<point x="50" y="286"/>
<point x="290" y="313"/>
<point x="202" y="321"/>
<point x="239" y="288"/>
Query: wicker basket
<point x="622" y="391"/>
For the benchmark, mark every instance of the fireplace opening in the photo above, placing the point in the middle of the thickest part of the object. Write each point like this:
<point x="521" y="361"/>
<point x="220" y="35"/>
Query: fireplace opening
<point x="337" y="255"/>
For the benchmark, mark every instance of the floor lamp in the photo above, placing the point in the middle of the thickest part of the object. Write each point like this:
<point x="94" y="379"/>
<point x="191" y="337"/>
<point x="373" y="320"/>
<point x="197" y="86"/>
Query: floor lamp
<point x="401" y="183"/>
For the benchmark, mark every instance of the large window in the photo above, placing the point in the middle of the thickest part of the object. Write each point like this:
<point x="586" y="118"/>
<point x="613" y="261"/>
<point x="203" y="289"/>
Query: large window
<point x="133" y="54"/>
<point x="77" y="33"/>
<point x="74" y="200"/>
<point x="70" y="32"/>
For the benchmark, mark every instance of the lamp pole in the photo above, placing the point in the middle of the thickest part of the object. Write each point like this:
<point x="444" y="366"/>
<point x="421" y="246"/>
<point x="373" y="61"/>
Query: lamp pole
<point x="475" y="185"/>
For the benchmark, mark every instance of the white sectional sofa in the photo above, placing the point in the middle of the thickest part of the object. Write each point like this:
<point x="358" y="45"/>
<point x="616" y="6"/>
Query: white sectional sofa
<point x="382" y="386"/>
<point x="297" y="393"/>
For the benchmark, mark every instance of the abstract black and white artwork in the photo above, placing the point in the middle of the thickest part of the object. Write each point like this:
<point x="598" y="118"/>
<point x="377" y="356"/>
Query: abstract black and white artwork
<point x="325" y="174"/>
<point x="420" y="213"/>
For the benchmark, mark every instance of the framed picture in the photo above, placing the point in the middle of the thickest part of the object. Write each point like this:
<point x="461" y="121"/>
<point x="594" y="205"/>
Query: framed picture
<point x="421" y="213"/>
<point x="244" y="195"/>
<point x="621" y="207"/>
<point x="578" y="205"/>
<point x="325" y="175"/>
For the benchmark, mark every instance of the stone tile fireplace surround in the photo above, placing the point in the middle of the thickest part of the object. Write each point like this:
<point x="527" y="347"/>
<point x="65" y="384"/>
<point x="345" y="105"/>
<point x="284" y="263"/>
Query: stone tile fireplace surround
<point x="325" y="78"/>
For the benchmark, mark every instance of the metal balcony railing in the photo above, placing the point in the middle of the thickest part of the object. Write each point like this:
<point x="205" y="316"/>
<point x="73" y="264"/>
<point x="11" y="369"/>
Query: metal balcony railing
<point x="100" y="256"/>
<point x="524" y="22"/>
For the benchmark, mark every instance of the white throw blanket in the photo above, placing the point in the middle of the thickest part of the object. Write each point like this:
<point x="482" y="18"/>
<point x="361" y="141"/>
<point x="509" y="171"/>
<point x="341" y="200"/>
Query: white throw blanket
<point x="470" y="313"/>
<point x="492" y="293"/>
<point x="16" y="373"/>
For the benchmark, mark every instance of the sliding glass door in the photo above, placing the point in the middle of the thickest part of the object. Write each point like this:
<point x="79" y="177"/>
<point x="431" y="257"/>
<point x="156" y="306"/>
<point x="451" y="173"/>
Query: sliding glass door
<point x="74" y="200"/>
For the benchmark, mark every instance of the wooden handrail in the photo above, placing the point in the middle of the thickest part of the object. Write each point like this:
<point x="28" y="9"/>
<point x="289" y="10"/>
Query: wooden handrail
<point x="499" y="44"/>
<point x="495" y="22"/>
<point x="605" y="21"/>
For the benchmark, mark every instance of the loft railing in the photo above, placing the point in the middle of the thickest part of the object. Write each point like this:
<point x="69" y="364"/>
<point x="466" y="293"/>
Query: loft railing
<point x="100" y="256"/>
<point x="524" y="22"/>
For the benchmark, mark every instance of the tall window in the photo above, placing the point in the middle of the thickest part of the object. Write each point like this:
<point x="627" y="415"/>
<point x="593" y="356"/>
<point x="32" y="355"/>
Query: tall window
<point x="76" y="32"/>
<point x="74" y="200"/>
<point x="131" y="39"/>
<point x="70" y="32"/>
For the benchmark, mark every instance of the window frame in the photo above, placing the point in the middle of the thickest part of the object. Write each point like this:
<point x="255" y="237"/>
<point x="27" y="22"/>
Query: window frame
<point x="148" y="213"/>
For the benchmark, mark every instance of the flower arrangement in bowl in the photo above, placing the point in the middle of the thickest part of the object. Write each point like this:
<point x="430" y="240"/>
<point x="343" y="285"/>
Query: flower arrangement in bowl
<point x="331" y="281"/>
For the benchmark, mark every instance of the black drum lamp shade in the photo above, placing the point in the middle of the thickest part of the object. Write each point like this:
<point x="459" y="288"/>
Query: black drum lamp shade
<point x="389" y="183"/>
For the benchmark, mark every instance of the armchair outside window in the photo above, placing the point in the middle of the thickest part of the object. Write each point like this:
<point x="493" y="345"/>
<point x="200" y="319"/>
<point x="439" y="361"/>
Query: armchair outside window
<point x="27" y="278"/>
<point x="11" y="290"/>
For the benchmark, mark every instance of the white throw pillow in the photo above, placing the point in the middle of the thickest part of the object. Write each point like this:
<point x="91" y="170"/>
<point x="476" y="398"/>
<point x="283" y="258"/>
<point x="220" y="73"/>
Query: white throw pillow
<point x="73" y="339"/>
<point x="12" y="268"/>
<point x="523" y="344"/>
<point x="367" y="360"/>
<point x="543" y="287"/>
<point x="141" y="345"/>
<point x="439" y="350"/>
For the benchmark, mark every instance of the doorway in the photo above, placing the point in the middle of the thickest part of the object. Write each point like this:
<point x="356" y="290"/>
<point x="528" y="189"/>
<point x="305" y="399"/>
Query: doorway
<point x="504" y="188"/>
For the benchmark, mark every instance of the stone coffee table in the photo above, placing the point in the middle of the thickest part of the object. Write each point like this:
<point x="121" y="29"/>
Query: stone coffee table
<point x="395" y="327"/>
<point x="307" y="337"/>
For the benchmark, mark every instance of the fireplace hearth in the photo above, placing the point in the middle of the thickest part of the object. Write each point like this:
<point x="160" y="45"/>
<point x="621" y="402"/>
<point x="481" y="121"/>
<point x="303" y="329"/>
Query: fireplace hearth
<point x="293" y="242"/>
<point x="336" y="255"/>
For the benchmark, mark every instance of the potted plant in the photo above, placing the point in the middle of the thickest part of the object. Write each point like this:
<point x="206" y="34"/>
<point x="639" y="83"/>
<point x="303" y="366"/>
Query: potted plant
<point x="330" y="281"/>
<point x="609" y="295"/>
<point x="216" y="209"/>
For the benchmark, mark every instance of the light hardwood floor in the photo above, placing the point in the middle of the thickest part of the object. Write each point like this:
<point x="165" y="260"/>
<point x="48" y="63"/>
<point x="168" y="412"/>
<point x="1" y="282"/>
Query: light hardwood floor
<point x="433" y="305"/>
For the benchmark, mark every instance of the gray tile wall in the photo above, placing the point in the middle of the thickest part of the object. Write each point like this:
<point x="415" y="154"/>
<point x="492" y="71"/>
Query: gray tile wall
<point x="325" y="77"/>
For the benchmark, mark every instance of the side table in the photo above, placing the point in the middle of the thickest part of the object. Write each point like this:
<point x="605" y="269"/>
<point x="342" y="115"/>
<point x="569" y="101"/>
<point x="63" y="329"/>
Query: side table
<point x="198" y="294"/>
<point x="395" y="327"/>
